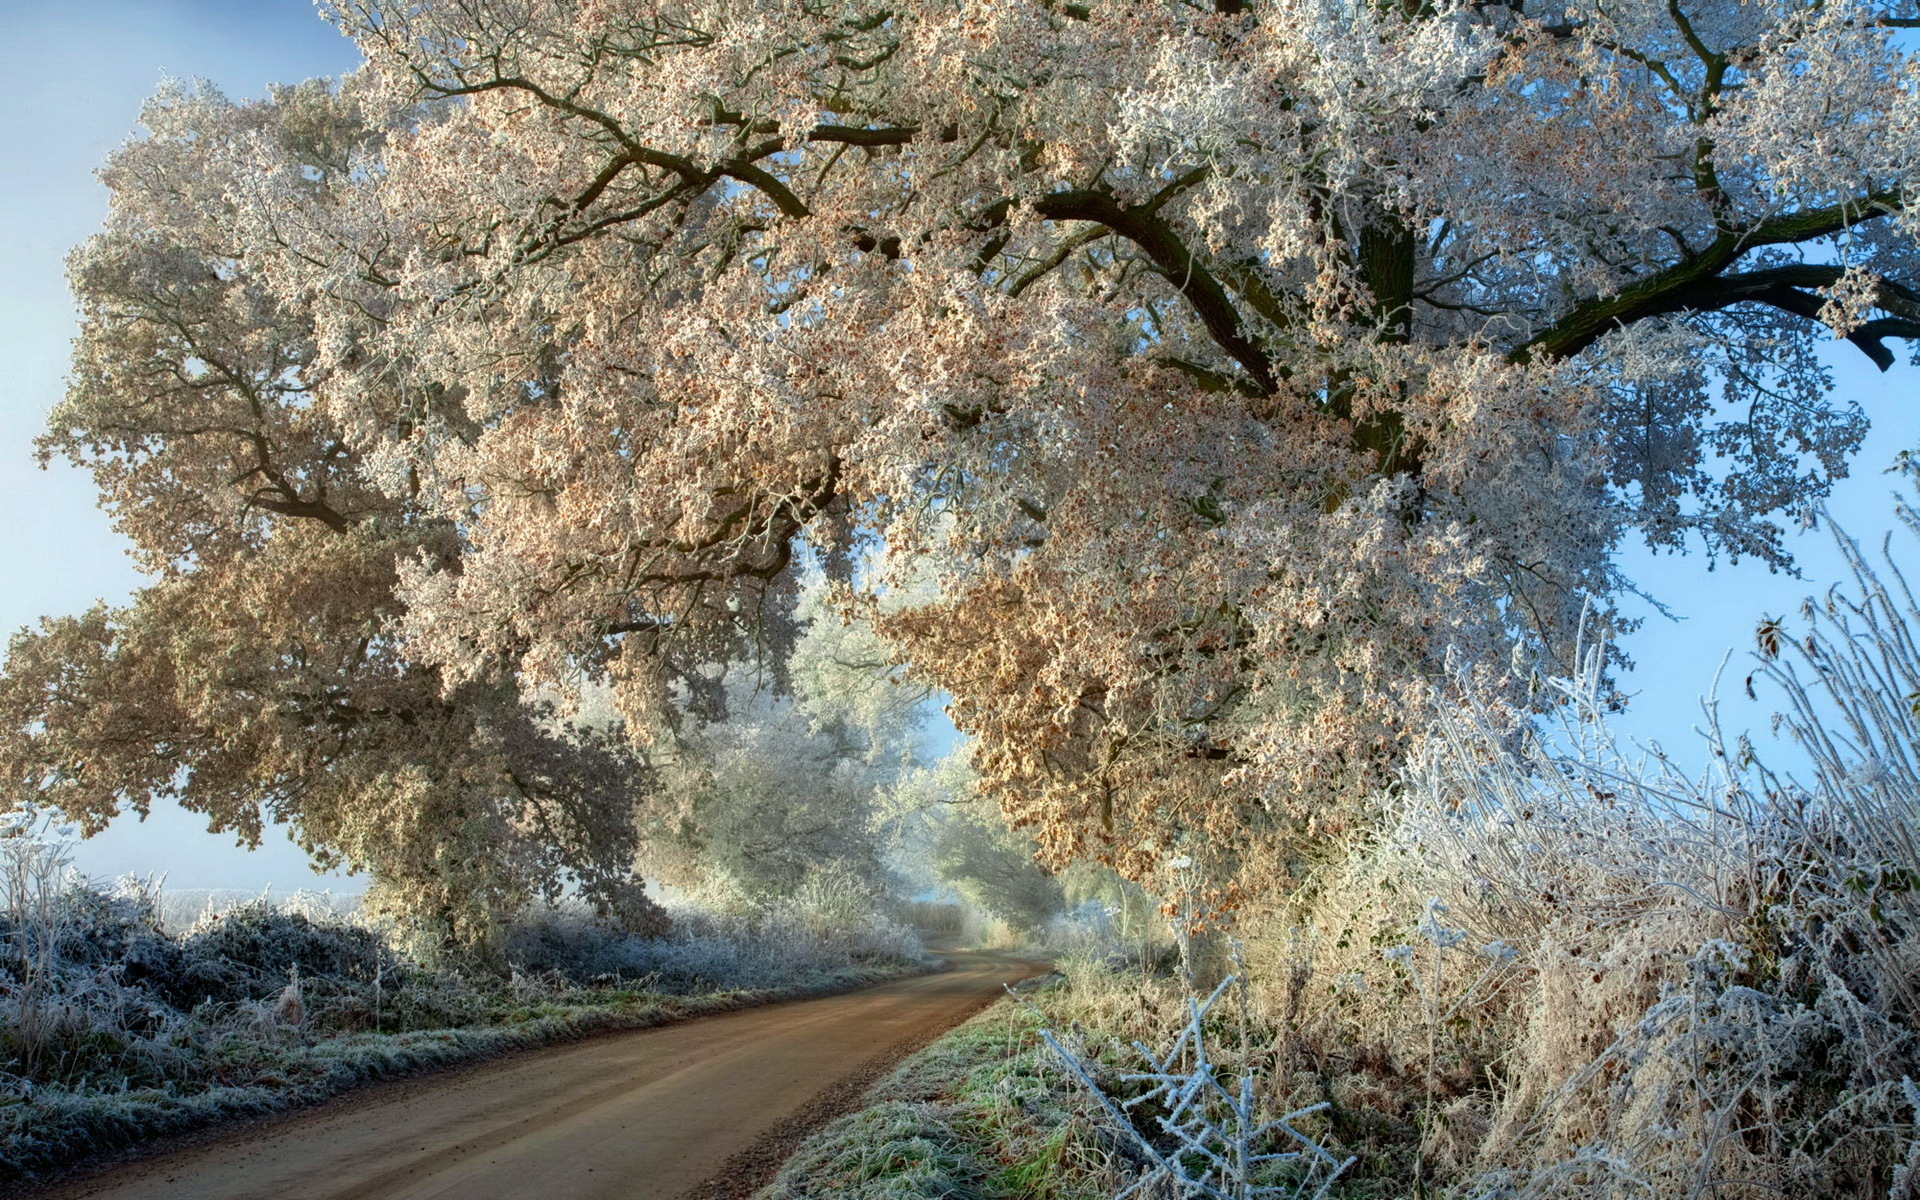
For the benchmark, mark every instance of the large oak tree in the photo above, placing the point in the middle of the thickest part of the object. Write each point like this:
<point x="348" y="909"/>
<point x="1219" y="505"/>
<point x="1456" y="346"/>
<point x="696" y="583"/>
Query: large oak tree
<point x="262" y="676"/>
<point x="1231" y="368"/>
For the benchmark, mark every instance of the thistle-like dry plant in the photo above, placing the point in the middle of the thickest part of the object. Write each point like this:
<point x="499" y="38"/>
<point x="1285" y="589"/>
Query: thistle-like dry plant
<point x="1204" y="1132"/>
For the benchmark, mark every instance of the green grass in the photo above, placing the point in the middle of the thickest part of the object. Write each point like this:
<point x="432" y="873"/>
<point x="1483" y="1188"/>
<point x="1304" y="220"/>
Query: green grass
<point x="895" y="1150"/>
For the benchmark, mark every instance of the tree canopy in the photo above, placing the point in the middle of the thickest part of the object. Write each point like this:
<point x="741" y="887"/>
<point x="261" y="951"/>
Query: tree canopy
<point x="1230" y="370"/>
<point x="262" y="676"/>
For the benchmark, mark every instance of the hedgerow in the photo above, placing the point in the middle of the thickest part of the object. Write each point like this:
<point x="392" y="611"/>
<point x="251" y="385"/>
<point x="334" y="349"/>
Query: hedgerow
<point x="1555" y="967"/>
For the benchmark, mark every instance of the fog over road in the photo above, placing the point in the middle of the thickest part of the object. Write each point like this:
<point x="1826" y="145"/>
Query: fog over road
<point x="656" y="1113"/>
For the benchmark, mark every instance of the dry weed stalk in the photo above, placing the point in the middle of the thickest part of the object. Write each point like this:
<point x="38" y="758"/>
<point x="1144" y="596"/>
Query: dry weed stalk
<point x="1718" y="998"/>
<point x="1207" y="1140"/>
<point x="1215" y="1143"/>
<point x="34" y="871"/>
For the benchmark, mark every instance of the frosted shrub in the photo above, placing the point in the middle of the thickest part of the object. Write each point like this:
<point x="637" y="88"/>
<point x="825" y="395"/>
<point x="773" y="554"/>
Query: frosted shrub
<point x="33" y="874"/>
<point x="1560" y="966"/>
<point x="95" y="994"/>
<point x="834" y="900"/>
<point x="1717" y="995"/>
<point x="849" y="916"/>
<point x="252" y="950"/>
<point x="831" y="928"/>
<point x="932" y="917"/>
<point x="80" y="969"/>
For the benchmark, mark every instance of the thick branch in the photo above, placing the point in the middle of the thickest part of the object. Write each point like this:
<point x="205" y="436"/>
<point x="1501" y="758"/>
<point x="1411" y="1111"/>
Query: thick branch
<point x="1142" y="226"/>
<point x="307" y="509"/>
<point x="1695" y="283"/>
<point x="851" y="136"/>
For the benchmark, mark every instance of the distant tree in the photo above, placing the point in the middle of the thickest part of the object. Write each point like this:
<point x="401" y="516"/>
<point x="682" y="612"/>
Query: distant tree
<point x="973" y="852"/>
<point x="761" y="802"/>
<point x="1226" y="367"/>
<point x="262" y="675"/>
<point x="849" y="685"/>
<point x="798" y="773"/>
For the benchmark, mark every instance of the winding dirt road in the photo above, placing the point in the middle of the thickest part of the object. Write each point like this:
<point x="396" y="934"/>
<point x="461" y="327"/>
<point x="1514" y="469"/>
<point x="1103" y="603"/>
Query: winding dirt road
<point x="703" y="1108"/>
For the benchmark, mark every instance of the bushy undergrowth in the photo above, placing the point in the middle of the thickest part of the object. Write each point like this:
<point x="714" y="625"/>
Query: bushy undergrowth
<point x="820" y="929"/>
<point x="1565" y="970"/>
<point x="113" y="1029"/>
<point x="180" y="909"/>
<point x="934" y="917"/>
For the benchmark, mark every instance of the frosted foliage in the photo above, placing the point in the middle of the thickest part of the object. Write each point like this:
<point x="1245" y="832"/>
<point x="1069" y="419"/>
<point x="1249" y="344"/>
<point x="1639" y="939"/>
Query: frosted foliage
<point x="1695" y="985"/>
<point x="1562" y="967"/>
<point x="992" y="867"/>
<point x="261" y="677"/>
<point x="1219" y="369"/>
<point x="848" y="686"/>
<point x="764" y="802"/>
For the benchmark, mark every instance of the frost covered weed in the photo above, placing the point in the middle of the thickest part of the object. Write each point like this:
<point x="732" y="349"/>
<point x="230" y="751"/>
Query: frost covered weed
<point x="1111" y="993"/>
<point x="1198" y="1133"/>
<point x="1088" y="937"/>
<point x="933" y="917"/>
<point x="180" y="909"/>
<point x="1707" y="982"/>
<point x="1906" y="1173"/>
<point x="71" y="996"/>
<point x="33" y="870"/>
<point x="1565" y="970"/>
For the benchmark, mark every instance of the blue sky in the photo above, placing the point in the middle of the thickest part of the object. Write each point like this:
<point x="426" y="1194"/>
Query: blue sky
<point x="72" y="78"/>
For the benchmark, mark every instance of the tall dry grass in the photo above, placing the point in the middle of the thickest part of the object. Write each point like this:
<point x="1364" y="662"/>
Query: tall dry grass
<point x="1570" y="968"/>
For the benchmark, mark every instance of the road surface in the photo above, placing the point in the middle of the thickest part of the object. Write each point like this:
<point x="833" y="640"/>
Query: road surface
<point x="704" y="1107"/>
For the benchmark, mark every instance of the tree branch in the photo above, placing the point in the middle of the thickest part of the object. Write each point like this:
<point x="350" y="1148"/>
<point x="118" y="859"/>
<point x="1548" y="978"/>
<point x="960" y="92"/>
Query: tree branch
<point x="1143" y="226"/>
<point x="1696" y="283"/>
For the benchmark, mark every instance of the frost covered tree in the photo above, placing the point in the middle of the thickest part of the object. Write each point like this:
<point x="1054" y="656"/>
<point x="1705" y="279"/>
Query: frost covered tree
<point x="993" y="869"/>
<point x="261" y="676"/>
<point x="1227" y="366"/>
<point x="760" y="802"/>
<point x="807" y="768"/>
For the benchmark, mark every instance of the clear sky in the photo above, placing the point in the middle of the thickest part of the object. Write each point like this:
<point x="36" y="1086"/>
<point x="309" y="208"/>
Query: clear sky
<point x="72" y="77"/>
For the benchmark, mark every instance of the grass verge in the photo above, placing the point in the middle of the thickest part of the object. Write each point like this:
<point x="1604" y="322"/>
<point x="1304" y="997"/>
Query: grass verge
<point x="983" y="1113"/>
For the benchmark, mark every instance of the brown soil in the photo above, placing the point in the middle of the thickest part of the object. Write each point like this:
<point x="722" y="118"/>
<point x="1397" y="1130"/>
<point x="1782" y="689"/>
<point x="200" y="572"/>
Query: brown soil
<point x="707" y="1109"/>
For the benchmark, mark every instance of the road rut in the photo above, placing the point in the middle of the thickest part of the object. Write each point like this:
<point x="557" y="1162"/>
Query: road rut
<point x="653" y="1114"/>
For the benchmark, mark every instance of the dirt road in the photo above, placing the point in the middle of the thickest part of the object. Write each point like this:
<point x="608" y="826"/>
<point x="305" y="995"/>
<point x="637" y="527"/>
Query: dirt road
<point x="651" y="1114"/>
